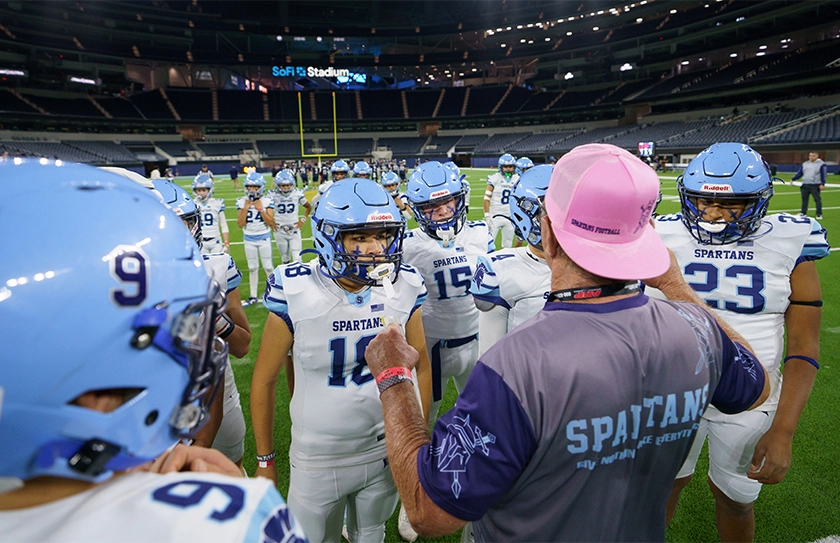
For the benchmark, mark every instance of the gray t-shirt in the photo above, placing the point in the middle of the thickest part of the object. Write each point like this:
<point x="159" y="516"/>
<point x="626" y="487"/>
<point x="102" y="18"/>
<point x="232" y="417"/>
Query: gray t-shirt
<point x="573" y="426"/>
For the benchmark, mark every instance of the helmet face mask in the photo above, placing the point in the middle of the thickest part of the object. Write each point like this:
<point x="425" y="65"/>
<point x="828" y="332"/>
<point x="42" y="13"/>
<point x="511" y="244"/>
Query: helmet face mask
<point x="285" y="182"/>
<point x="177" y="199"/>
<point x="358" y="227"/>
<point x="735" y="180"/>
<point x="430" y="190"/>
<point x="254" y="185"/>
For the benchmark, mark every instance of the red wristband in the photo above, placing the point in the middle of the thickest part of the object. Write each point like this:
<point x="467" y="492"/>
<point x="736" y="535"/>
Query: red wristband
<point x="393" y="372"/>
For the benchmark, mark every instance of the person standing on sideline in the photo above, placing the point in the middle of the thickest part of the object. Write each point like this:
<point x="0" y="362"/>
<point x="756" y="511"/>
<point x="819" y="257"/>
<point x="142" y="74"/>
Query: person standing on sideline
<point x="234" y="176"/>
<point x="757" y="272"/>
<point x="590" y="406"/>
<point x="812" y="172"/>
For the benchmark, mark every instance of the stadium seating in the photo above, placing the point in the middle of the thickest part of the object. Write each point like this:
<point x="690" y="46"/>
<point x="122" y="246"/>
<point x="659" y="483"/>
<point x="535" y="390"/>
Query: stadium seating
<point x="224" y="149"/>
<point x="239" y="105"/>
<point x="108" y="151"/>
<point x="192" y="104"/>
<point x="175" y="148"/>
<point x="403" y="146"/>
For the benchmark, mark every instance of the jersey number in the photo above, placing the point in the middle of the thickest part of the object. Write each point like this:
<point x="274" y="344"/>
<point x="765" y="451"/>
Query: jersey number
<point x="505" y="197"/>
<point x="254" y="217"/>
<point x="182" y="498"/>
<point x="208" y="219"/>
<point x="751" y="290"/>
<point x="284" y="208"/>
<point x="460" y="278"/>
<point x="360" y="373"/>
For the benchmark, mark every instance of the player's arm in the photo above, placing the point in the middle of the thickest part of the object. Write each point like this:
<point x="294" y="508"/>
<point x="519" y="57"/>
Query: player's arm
<point x="242" y="213"/>
<point x="206" y="436"/>
<point x="223" y="227"/>
<point x="268" y="216"/>
<point x="416" y="337"/>
<point x="773" y="451"/>
<point x="276" y="341"/>
<point x="488" y="195"/>
<point x="239" y="339"/>
<point x="492" y="326"/>
<point x="307" y="210"/>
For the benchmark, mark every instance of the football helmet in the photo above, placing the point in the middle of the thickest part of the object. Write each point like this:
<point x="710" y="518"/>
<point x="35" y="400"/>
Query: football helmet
<point x="453" y="168"/>
<point x="728" y="173"/>
<point x="357" y="204"/>
<point x="202" y="181"/>
<point x="526" y="202"/>
<point x="255" y="179"/>
<point x="430" y="185"/>
<point x="506" y="160"/>
<point x="182" y="204"/>
<point x="285" y="182"/>
<point x="391" y="183"/>
<point x="523" y="164"/>
<point x="339" y="166"/>
<point x="362" y="169"/>
<point x="148" y="305"/>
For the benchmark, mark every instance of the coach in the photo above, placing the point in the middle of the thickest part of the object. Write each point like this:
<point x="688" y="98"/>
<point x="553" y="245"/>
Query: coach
<point x="573" y="426"/>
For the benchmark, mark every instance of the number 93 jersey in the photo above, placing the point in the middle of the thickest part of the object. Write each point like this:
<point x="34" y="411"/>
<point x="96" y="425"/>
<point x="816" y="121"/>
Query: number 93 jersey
<point x="336" y="413"/>
<point x="145" y="507"/>
<point x="748" y="283"/>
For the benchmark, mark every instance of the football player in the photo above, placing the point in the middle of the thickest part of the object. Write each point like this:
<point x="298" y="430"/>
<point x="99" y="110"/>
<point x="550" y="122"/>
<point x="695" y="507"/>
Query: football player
<point x="81" y="408"/>
<point x="391" y="184"/>
<point x="326" y="312"/>
<point x="497" y="199"/>
<point x="225" y="431"/>
<point x="255" y="216"/>
<point x="512" y="285"/>
<point x="362" y="169"/>
<point x="214" y="228"/>
<point x="339" y="170"/>
<point x="523" y="164"/>
<point x="463" y="177"/>
<point x="758" y="273"/>
<point x="287" y="201"/>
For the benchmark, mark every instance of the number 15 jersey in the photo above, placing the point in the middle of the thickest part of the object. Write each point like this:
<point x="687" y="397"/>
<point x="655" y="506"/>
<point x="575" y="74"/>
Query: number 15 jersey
<point x="336" y="413"/>
<point x="748" y="283"/>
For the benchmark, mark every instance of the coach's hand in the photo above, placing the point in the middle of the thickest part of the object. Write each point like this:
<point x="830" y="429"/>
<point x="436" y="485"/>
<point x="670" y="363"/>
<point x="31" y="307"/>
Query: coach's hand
<point x="771" y="459"/>
<point x="195" y="459"/>
<point x="389" y="349"/>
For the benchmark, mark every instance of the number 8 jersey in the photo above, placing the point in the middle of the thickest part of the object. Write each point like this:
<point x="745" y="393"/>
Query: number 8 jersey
<point x="748" y="283"/>
<point x="336" y="414"/>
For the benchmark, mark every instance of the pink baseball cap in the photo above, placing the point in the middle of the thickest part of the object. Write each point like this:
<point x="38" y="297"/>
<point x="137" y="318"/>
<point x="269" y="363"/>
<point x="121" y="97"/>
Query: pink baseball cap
<point x="600" y="200"/>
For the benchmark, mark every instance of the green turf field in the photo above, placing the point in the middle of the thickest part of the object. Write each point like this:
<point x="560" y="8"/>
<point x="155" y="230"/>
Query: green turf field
<point x="804" y="507"/>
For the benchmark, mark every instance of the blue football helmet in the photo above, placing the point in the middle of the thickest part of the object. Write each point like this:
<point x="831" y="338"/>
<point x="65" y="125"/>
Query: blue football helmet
<point x="177" y="199"/>
<point x="526" y="202"/>
<point x="523" y="164"/>
<point x="453" y="168"/>
<point x="202" y="181"/>
<point x="391" y="183"/>
<point x="430" y="185"/>
<point x="285" y="182"/>
<point x="362" y="168"/>
<point x="148" y="308"/>
<point x="349" y="206"/>
<point x="340" y="167"/>
<point x="728" y="173"/>
<point x="506" y="160"/>
<point x="254" y="179"/>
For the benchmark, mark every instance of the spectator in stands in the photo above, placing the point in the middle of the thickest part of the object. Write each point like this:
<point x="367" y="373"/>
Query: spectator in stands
<point x="234" y="176"/>
<point x="205" y="171"/>
<point x="812" y="172"/>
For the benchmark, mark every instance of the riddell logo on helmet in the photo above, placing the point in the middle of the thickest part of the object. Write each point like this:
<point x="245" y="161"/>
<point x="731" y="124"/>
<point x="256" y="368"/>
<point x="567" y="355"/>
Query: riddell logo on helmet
<point x="716" y="188"/>
<point x="438" y="194"/>
<point x="380" y="217"/>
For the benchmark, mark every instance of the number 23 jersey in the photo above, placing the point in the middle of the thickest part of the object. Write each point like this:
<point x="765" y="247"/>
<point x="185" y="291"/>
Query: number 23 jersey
<point x="336" y="413"/>
<point x="748" y="283"/>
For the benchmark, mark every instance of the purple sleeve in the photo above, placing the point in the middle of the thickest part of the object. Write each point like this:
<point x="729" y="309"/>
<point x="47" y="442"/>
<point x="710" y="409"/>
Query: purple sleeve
<point x="797" y="175"/>
<point x="823" y="171"/>
<point x="741" y="378"/>
<point x="479" y="448"/>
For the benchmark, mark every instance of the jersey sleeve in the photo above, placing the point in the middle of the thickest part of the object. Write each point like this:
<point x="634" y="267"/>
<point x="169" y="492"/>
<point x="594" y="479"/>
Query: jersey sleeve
<point x="741" y="378"/>
<point x="234" y="276"/>
<point x="240" y="203"/>
<point x="484" y="285"/>
<point x="274" y="298"/>
<point x="816" y="245"/>
<point x="272" y="521"/>
<point x="268" y="203"/>
<point x="491" y="181"/>
<point x="221" y="205"/>
<point x="478" y="449"/>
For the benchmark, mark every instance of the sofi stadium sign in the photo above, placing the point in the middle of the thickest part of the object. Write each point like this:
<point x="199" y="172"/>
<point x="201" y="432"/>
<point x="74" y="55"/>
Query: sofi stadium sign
<point x="308" y="71"/>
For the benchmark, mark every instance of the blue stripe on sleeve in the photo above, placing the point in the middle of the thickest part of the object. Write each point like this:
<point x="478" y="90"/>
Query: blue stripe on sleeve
<point x="272" y="521"/>
<point x="223" y="206"/>
<point x="479" y="448"/>
<point x="419" y="301"/>
<point x="493" y="297"/>
<point x="741" y="378"/>
<point x="234" y="276"/>
<point x="275" y="300"/>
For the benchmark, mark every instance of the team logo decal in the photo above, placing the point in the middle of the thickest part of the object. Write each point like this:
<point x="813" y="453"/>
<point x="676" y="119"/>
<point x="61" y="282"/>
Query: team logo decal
<point x="458" y="447"/>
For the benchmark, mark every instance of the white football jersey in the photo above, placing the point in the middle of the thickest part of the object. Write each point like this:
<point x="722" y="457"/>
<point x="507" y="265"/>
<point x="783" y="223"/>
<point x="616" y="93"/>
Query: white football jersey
<point x="143" y="507"/>
<point x="449" y="312"/>
<point x="254" y="223"/>
<point x="514" y="279"/>
<point x="212" y="214"/>
<point x="222" y="269"/>
<point x="748" y="283"/>
<point x="502" y="187"/>
<point x="336" y="413"/>
<point x="286" y="206"/>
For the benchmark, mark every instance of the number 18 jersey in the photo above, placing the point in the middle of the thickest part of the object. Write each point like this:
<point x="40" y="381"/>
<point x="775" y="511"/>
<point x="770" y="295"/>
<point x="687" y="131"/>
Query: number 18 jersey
<point x="336" y="413"/>
<point x="748" y="283"/>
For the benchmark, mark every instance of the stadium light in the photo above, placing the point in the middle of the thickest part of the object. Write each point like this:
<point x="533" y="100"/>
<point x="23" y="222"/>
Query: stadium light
<point x="762" y="47"/>
<point x="626" y="67"/>
<point x="569" y="33"/>
<point x="733" y="55"/>
<point x="569" y="75"/>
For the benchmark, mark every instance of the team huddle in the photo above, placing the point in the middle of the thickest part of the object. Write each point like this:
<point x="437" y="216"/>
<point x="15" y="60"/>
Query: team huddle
<point x="161" y="315"/>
